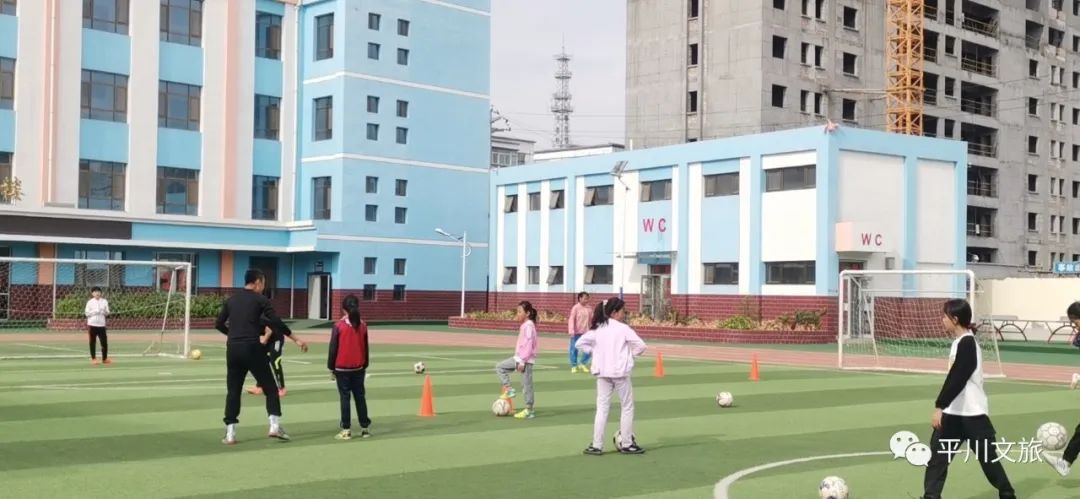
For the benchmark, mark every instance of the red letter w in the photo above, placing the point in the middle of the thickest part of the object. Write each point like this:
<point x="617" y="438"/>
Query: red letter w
<point x="647" y="223"/>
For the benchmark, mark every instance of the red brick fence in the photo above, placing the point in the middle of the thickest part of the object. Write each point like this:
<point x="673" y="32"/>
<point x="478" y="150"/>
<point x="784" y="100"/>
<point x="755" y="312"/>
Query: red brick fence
<point x="671" y="333"/>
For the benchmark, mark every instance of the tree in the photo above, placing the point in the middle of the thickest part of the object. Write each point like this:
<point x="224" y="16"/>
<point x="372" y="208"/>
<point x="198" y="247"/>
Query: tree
<point x="10" y="190"/>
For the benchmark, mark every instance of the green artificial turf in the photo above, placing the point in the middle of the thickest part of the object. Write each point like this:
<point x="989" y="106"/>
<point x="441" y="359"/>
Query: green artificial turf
<point x="150" y="427"/>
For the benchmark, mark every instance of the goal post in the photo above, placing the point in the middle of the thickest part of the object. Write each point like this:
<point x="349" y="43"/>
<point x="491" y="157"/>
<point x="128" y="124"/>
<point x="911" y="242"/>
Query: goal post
<point x="890" y="320"/>
<point x="41" y="299"/>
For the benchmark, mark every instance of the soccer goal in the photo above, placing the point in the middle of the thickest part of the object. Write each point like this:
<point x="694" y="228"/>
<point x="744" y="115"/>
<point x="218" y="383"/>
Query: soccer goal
<point x="891" y="320"/>
<point x="43" y="300"/>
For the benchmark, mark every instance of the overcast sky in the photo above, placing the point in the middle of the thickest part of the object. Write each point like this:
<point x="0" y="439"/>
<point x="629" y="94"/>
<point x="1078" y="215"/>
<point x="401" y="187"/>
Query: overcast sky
<point x="526" y="35"/>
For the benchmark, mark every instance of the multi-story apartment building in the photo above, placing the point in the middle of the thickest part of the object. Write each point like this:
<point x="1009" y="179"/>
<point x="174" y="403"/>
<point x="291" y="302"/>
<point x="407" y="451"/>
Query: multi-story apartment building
<point x="998" y="75"/>
<point x="309" y="139"/>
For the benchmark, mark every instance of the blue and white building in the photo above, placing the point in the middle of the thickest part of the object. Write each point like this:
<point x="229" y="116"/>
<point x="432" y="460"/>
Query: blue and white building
<point x="777" y="214"/>
<point x="322" y="141"/>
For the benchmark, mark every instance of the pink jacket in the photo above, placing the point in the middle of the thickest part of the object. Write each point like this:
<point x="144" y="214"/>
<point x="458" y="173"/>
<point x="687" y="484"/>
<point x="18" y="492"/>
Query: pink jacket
<point x="613" y="347"/>
<point x="525" y="351"/>
<point x="580" y="319"/>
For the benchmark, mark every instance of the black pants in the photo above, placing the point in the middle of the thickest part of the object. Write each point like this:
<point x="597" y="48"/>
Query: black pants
<point x="242" y="358"/>
<point x="979" y="432"/>
<point x="1073" y="449"/>
<point x="352" y="383"/>
<point x="98" y="333"/>
<point x="274" y="352"/>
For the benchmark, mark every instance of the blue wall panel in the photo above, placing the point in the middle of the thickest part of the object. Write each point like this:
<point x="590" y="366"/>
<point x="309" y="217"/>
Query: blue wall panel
<point x="268" y="79"/>
<point x="599" y="236"/>
<point x="510" y="238"/>
<point x="108" y="52"/>
<point x="654" y="226"/>
<point x="267" y="158"/>
<point x="9" y="36"/>
<point x="179" y="148"/>
<point x="7" y="130"/>
<point x="103" y="140"/>
<point x="556" y="238"/>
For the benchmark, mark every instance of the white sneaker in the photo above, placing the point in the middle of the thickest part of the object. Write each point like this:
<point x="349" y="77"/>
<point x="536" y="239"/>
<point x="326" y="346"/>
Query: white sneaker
<point x="1059" y="464"/>
<point x="230" y="435"/>
<point x="1075" y="380"/>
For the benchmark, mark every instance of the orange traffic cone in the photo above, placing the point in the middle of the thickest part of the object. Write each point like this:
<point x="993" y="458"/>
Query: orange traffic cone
<point x="659" y="373"/>
<point x="754" y="374"/>
<point x="427" y="405"/>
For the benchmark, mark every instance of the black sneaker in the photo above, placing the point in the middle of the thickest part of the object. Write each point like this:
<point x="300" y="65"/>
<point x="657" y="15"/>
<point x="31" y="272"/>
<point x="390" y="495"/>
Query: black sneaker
<point x="592" y="451"/>
<point x="365" y="433"/>
<point x="633" y="449"/>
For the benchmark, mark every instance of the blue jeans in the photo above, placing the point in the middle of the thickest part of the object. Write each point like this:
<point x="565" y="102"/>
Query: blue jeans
<point x="574" y="361"/>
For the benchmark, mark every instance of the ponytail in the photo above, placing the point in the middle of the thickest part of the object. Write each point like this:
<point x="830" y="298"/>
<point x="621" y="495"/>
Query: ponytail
<point x="530" y="312"/>
<point x="604" y="310"/>
<point x="351" y="306"/>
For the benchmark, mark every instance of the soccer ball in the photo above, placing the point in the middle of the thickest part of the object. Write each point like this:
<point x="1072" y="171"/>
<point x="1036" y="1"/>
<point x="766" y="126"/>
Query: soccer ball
<point x="196" y="354"/>
<point x="833" y="487"/>
<point x="618" y="438"/>
<point x="419" y="368"/>
<point x="501" y="407"/>
<point x="1052" y="436"/>
<point x="725" y="399"/>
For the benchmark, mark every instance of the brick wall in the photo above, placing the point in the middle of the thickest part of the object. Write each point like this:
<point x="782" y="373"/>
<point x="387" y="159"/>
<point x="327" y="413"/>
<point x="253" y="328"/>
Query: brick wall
<point x="672" y="333"/>
<point x="418" y="305"/>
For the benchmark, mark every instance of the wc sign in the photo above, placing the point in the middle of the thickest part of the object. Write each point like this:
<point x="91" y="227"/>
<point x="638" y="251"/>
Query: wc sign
<point x="654" y="225"/>
<point x="862" y="238"/>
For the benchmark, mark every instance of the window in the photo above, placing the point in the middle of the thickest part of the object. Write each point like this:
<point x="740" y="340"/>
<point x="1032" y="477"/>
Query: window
<point x="88" y="275"/>
<point x="851" y="15"/>
<point x="851" y="65"/>
<point x="164" y="277"/>
<point x="806" y="6"/>
<point x="177" y="191"/>
<point x="534" y="201"/>
<point x="724" y="184"/>
<point x="399" y="292"/>
<point x="7" y="83"/>
<point x="1033" y="68"/>
<point x="323" y="109"/>
<point x="373" y="21"/>
<point x="7" y="7"/>
<point x="403" y="57"/>
<point x="1076" y="79"/>
<point x="401" y="187"/>
<point x="1033" y="145"/>
<point x="599" y="195"/>
<point x="267" y="35"/>
<point x="320" y="198"/>
<point x="373" y="50"/>
<point x="950" y="126"/>
<point x="403" y="27"/>
<point x="1075" y="152"/>
<point x="104" y="96"/>
<point x="657" y="190"/>
<point x="789" y="273"/>
<point x="534" y="275"/>
<point x="1075" y="189"/>
<point x="399" y="266"/>
<point x="370" y="265"/>
<point x="778" y="95"/>
<point x="1033" y="106"/>
<point x="1076" y="43"/>
<point x="1075" y="229"/>
<point x="181" y="21"/>
<point x="1057" y="149"/>
<point x="402" y="109"/>
<point x="267" y="117"/>
<point x="598" y="274"/>
<point x="269" y="268"/>
<point x="178" y="105"/>
<point x="1033" y="183"/>
<point x="950" y="45"/>
<point x="372" y="104"/>
<point x="847" y="110"/>
<point x="692" y="55"/>
<point x="1033" y="258"/>
<point x="778" y="4"/>
<point x="400" y="214"/>
<point x="509" y="275"/>
<point x="372" y="131"/>
<point x="402" y="135"/>
<point x="1053" y="224"/>
<point x="779" y="46"/>
<point x="721" y="273"/>
<point x="371" y="213"/>
<point x="324" y="37"/>
<point x="5" y="168"/>
<point x="264" y="197"/>
<point x="510" y="203"/>
<point x="694" y="8"/>
<point x="555" y="276"/>
<point x="792" y="178"/>
<point x="1076" y="116"/>
<point x="557" y="201"/>
<point x="819" y="9"/>
<point x="691" y="101"/>
<point x="950" y="87"/>
<point x="1033" y="222"/>
<point x="101" y="184"/>
<point x="369" y="292"/>
<point x="102" y="15"/>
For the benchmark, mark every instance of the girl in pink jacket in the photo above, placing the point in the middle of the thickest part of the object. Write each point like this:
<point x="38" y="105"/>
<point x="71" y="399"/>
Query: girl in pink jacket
<point x="613" y="346"/>
<point x="522" y="361"/>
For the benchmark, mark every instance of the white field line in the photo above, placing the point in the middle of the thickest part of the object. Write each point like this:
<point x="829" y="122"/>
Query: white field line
<point x="721" y="489"/>
<point x="45" y="347"/>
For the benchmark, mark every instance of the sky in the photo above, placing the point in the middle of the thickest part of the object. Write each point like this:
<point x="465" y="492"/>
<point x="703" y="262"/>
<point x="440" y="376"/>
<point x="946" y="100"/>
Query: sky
<point x="526" y="35"/>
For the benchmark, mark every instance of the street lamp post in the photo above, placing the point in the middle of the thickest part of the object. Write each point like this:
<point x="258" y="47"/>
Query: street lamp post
<point x="617" y="172"/>
<point x="466" y="250"/>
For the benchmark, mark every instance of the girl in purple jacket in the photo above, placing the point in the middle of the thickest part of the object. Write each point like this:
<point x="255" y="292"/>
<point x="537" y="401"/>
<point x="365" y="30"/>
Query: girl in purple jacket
<point x="613" y="346"/>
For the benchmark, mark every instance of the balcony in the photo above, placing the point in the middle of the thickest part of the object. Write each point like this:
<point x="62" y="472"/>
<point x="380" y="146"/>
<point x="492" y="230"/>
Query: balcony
<point x="983" y="67"/>
<point x="980" y="19"/>
<point x="930" y="54"/>
<point x="930" y="11"/>
<point x="985" y="150"/>
<point x="980" y="230"/>
<point x="981" y="188"/>
<point x="930" y="96"/>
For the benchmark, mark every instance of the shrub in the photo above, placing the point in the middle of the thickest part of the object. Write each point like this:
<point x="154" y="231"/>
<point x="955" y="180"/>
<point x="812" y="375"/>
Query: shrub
<point x="740" y="322"/>
<point x="142" y="305"/>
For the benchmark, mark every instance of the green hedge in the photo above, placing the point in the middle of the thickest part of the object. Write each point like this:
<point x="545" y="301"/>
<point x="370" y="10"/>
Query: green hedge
<point x="142" y="305"/>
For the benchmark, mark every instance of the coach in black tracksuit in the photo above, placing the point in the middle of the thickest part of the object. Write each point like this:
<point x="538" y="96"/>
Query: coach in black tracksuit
<point x="243" y="318"/>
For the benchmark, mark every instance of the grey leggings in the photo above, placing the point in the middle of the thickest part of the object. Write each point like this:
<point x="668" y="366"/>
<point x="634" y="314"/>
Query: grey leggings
<point x="504" y="368"/>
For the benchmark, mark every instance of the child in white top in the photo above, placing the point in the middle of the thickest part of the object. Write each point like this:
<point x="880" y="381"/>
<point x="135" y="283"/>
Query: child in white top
<point x="97" y="308"/>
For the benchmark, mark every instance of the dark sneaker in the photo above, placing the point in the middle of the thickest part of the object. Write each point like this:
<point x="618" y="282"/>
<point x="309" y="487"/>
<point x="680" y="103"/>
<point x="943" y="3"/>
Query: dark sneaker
<point x="365" y="433"/>
<point x="592" y="451"/>
<point x="633" y="449"/>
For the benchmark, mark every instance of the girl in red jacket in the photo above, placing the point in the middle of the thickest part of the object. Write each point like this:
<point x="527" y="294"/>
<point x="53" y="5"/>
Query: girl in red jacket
<point x="348" y="362"/>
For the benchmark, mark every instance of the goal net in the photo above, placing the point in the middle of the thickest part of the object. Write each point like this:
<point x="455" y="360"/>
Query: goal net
<point x="891" y="320"/>
<point x="43" y="303"/>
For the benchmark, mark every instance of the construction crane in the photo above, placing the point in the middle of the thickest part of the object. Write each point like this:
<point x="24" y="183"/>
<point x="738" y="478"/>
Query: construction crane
<point x="904" y="66"/>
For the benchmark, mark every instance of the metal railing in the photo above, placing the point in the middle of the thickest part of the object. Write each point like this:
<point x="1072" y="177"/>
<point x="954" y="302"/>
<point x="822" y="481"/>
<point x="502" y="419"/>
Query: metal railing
<point x="930" y="12"/>
<point x="988" y="150"/>
<point x="930" y="54"/>
<point x="982" y="27"/>
<point x="977" y="107"/>
<point x="930" y="96"/>
<point x="981" y="188"/>
<point x="977" y="66"/>
<point x="980" y="230"/>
